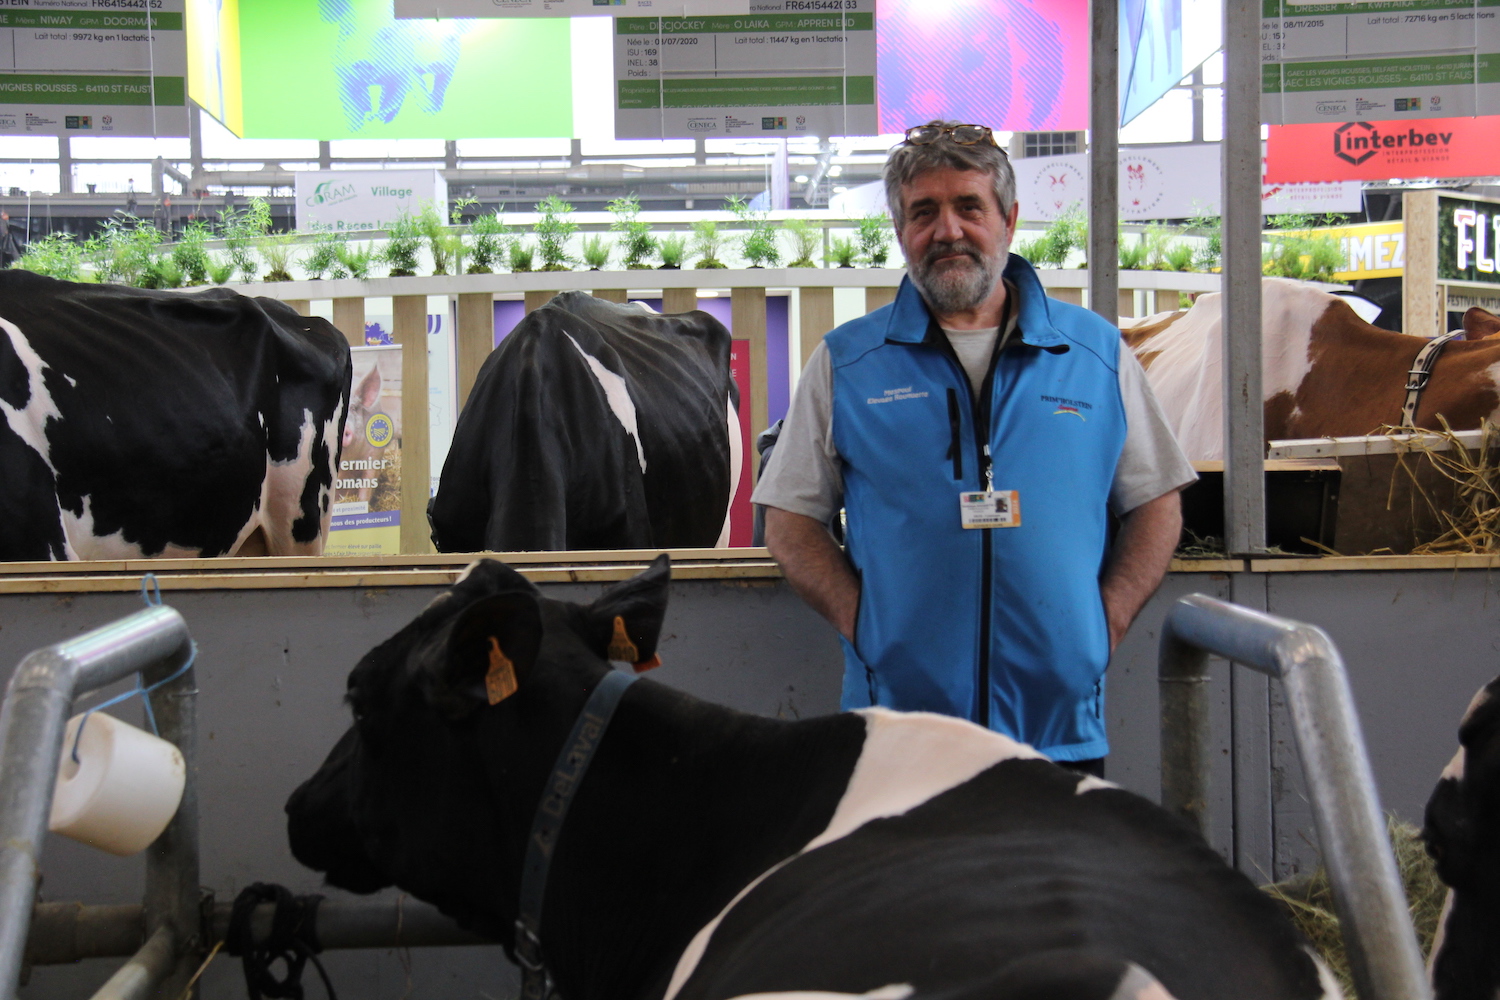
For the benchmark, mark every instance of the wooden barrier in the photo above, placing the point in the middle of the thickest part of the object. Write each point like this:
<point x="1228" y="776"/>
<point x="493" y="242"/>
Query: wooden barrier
<point x="409" y="317"/>
<point x="474" y="295"/>
<point x="349" y="319"/>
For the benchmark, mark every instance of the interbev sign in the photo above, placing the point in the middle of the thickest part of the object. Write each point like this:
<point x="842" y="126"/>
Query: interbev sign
<point x="352" y="200"/>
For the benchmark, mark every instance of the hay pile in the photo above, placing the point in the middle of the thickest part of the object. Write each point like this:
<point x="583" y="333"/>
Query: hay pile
<point x="1308" y="900"/>
<point x="1471" y="524"/>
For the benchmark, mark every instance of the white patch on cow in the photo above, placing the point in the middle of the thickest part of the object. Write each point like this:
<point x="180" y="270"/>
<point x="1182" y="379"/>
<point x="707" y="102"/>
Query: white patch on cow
<point x="645" y="307"/>
<point x="907" y="759"/>
<point x="467" y="570"/>
<point x="1138" y="984"/>
<point x="1455" y="768"/>
<point x="1089" y="783"/>
<point x="1326" y="979"/>
<point x="899" y="991"/>
<point x="1440" y="933"/>
<point x="617" y="394"/>
<point x="1187" y="372"/>
<point x="72" y="382"/>
<point x="83" y="543"/>
<point x="736" y="465"/>
<point x="30" y="422"/>
<point x="1481" y="697"/>
<point x="281" y="492"/>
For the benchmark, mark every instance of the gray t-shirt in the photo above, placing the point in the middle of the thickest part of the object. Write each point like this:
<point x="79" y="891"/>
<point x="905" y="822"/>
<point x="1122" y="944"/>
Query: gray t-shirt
<point x="804" y="475"/>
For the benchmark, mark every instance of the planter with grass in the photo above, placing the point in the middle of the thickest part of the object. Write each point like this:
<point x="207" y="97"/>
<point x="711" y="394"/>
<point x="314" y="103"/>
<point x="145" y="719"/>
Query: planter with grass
<point x="403" y="246"/>
<point x="875" y="235"/>
<point x="842" y="252"/>
<point x="806" y="238"/>
<point x="636" y="242"/>
<point x="672" y="249"/>
<point x="552" y="232"/>
<point x="488" y="235"/>
<point x="706" y="244"/>
<point x="596" y="251"/>
<point x="521" y="256"/>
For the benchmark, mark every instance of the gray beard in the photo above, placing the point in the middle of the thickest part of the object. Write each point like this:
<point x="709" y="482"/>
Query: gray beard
<point x="958" y="287"/>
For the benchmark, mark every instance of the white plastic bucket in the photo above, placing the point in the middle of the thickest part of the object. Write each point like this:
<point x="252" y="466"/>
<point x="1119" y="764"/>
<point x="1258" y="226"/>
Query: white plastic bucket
<point x="123" y="791"/>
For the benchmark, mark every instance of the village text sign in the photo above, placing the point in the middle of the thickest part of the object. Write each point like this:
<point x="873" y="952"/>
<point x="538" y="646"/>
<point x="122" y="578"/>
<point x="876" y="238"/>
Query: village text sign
<point x="341" y="201"/>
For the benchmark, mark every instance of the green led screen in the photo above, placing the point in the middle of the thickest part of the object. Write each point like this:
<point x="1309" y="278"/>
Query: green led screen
<point x="347" y="69"/>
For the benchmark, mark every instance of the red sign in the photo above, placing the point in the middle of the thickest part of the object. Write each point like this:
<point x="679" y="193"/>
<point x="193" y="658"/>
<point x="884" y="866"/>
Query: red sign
<point x="741" y="517"/>
<point x="1379" y="151"/>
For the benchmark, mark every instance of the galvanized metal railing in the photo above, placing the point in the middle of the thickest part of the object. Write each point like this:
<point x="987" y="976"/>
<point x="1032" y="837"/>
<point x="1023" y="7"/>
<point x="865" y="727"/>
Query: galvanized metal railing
<point x="37" y="702"/>
<point x="1384" y="958"/>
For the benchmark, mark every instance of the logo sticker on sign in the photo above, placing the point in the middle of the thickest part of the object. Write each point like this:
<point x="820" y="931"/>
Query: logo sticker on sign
<point x="990" y="509"/>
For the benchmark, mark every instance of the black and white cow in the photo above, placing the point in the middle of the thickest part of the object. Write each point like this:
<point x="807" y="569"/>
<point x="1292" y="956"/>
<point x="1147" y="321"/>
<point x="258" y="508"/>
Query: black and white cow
<point x="712" y="854"/>
<point x="153" y="423"/>
<point x="595" y="426"/>
<point x="1462" y="830"/>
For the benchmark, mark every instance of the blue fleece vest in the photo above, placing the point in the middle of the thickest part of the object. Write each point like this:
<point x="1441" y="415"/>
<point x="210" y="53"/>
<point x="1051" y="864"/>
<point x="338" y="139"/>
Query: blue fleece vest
<point x="1003" y="626"/>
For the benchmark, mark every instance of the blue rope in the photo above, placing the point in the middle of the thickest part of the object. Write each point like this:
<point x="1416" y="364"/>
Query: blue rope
<point x="149" y="580"/>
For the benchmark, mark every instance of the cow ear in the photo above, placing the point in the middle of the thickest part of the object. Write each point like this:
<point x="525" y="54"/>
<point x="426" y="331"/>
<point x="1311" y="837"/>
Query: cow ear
<point x="625" y="622"/>
<point x="491" y="649"/>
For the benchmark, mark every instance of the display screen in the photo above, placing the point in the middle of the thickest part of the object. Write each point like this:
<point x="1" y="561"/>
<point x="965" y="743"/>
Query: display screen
<point x="348" y="69"/>
<point x="1014" y="65"/>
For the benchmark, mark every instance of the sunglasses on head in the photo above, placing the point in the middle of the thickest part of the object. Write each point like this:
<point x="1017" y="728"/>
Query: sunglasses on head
<point x="964" y="135"/>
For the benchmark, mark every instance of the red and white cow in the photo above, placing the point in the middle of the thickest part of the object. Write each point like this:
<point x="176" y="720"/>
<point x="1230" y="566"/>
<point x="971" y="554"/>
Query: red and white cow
<point x="1325" y="371"/>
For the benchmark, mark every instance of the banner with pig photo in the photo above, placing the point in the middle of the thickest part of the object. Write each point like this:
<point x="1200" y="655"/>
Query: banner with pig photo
<point x="367" y="492"/>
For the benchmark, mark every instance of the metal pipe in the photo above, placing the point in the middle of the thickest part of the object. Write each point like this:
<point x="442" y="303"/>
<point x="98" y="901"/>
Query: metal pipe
<point x="37" y="701"/>
<point x="1244" y="423"/>
<point x="1104" y="159"/>
<point x="63" y="933"/>
<point x="172" y="887"/>
<point x="139" y="978"/>
<point x="1183" y="680"/>
<point x="1383" y="955"/>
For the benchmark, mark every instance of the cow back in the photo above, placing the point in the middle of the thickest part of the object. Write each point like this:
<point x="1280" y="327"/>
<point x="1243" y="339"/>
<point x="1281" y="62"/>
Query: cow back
<point x="593" y="425"/>
<point x="154" y="415"/>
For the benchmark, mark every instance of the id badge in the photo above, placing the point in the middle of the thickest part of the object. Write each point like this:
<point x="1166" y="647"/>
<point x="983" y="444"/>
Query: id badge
<point x="990" y="509"/>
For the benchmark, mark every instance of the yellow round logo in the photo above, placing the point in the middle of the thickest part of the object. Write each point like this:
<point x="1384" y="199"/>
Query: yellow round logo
<point x="379" y="430"/>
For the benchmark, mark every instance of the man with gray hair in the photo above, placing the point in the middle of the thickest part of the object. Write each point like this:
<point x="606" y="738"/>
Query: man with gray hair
<point x="978" y="436"/>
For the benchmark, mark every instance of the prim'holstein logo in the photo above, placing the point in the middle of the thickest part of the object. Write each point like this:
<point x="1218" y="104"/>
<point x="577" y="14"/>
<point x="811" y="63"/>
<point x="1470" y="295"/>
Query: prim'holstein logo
<point x="1356" y="142"/>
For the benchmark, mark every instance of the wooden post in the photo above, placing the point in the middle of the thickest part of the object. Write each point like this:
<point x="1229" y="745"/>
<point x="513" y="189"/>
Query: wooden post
<point x="1126" y="299"/>
<point x="410" y="321"/>
<point x="748" y="321"/>
<point x="1072" y="295"/>
<point x="476" y="338"/>
<point x="877" y="297"/>
<point x="303" y="306"/>
<point x="1419" y="290"/>
<point x="816" y="315"/>
<point x="1165" y="301"/>
<point x="349" y="319"/>
<point x="611" y="295"/>
<point x="535" y="300"/>
<point x="679" y="300"/>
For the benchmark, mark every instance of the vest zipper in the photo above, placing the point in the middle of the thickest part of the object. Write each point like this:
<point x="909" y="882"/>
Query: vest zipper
<point x="986" y="481"/>
<point x="956" y="437"/>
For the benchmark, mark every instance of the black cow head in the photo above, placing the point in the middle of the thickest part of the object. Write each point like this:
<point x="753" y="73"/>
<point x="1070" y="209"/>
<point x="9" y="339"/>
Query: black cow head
<point x="1462" y="831"/>
<point x="457" y="720"/>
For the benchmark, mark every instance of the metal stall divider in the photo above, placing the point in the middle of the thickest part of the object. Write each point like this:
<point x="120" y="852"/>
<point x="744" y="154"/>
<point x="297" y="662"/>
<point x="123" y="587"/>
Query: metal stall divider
<point x="37" y="702"/>
<point x="1383" y="954"/>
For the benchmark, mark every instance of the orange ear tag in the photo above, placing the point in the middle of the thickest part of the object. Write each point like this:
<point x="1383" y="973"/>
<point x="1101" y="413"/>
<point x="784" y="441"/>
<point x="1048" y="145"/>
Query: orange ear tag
<point x="500" y="681"/>
<point x="620" y="646"/>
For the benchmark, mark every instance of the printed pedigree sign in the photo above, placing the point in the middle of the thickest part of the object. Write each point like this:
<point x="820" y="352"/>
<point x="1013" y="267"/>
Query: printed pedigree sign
<point x="1389" y="60"/>
<point x="1468" y="238"/>
<point x="87" y="67"/>
<point x="1161" y="182"/>
<point x="568" y="8"/>
<point x="771" y="74"/>
<point x="345" y="201"/>
<point x="367" y="489"/>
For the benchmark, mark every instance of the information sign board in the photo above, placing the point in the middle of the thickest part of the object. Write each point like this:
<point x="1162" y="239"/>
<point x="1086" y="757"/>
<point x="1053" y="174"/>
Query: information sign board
<point x="1435" y="147"/>
<point x="70" y="68"/>
<point x="367" y="491"/>
<point x="772" y="75"/>
<point x="1401" y="60"/>
<point x="340" y="201"/>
